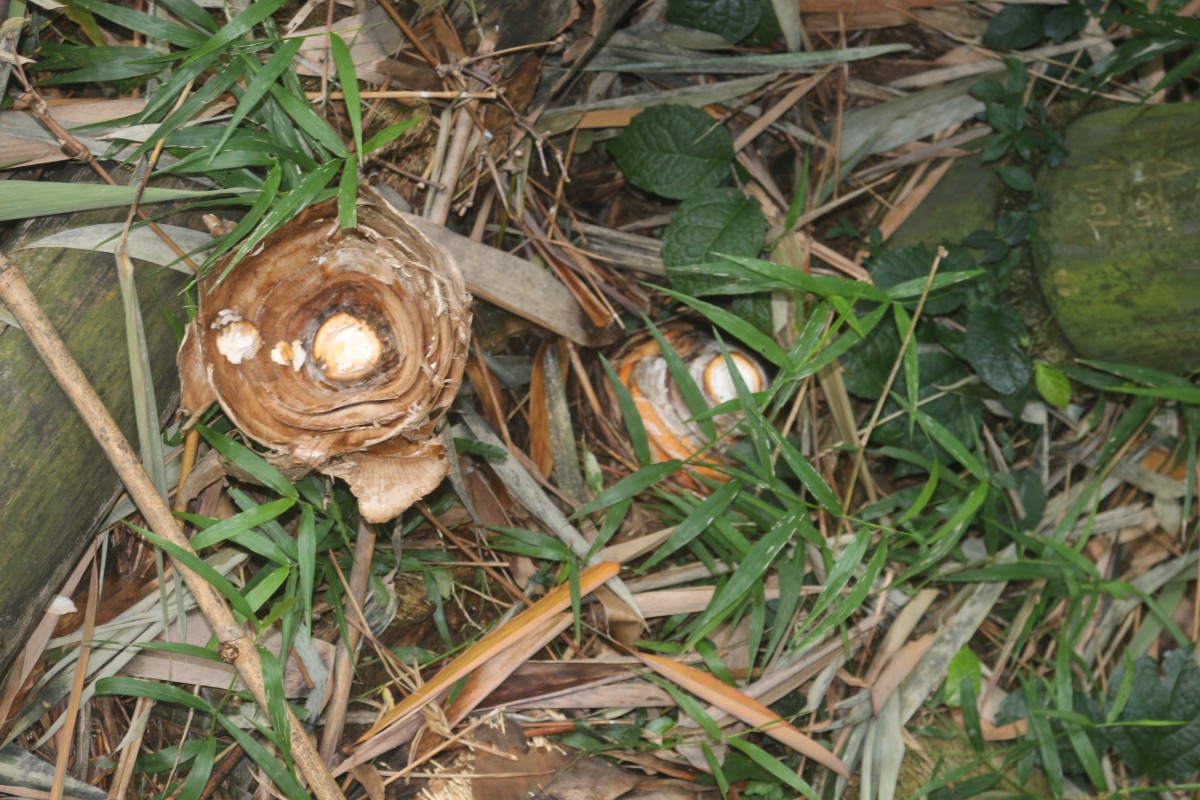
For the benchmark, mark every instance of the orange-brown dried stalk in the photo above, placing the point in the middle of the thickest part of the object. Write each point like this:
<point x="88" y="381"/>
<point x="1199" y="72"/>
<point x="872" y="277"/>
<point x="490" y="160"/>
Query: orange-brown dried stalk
<point x="337" y="350"/>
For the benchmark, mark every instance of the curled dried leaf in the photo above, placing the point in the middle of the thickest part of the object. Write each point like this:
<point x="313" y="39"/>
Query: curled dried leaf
<point x="370" y="329"/>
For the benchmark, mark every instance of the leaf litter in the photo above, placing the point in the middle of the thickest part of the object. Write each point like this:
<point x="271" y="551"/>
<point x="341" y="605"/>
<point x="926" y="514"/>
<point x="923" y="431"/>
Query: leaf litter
<point x="769" y="613"/>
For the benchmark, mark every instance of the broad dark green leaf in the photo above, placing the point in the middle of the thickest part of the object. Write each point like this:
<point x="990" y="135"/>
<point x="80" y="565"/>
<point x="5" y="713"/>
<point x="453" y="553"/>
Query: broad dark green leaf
<point x="994" y="348"/>
<point x="1017" y="178"/>
<point x="732" y="19"/>
<point x="674" y="151"/>
<point x="1016" y="27"/>
<point x="1158" y="731"/>
<point x="711" y="223"/>
<point x="908" y="268"/>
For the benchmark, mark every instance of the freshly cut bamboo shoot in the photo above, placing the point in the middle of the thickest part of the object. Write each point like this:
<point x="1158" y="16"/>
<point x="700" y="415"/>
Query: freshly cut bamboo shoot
<point x="337" y="350"/>
<point x="665" y="414"/>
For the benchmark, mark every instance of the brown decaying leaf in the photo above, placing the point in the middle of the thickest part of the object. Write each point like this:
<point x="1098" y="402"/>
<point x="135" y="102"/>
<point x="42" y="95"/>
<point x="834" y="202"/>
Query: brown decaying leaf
<point x="508" y="635"/>
<point x="746" y="709"/>
<point x="338" y="350"/>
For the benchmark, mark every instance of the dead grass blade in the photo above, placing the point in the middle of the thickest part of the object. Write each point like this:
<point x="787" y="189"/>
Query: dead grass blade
<point x="750" y="711"/>
<point x="498" y="641"/>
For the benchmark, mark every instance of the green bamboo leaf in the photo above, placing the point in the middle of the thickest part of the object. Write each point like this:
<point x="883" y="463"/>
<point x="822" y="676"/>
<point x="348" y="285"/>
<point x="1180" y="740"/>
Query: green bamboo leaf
<point x="200" y="770"/>
<point x="152" y="690"/>
<point x="306" y="558"/>
<point x="348" y="195"/>
<point x="182" y="649"/>
<point x="246" y="459"/>
<point x="951" y="444"/>
<point x="310" y="190"/>
<point x="854" y="599"/>
<point x="781" y="772"/>
<point x="630" y="415"/>
<point x="388" y="135"/>
<point x="146" y="24"/>
<point x="317" y="129"/>
<point x="531" y="544"/>
<point x="693" y="398"/>
<point x="103" y="64"/>
<point x="201" y="568"/>
<point x="750" y="572"/>
<point x="629" y="486"/>
<point x="806" y="472"/>
<point x="189" y="11"/>
<point x="237" y="29"/>
<point x="266" y="197"/>
<point x="696" y="522"/>
<point x="349" y="81"/>
<point x="258" y="88"/>
<point x="24" y="199"/>
<point x="744" y="331"/>
<point x="234" y="526"/>
<point x="272" y="671"/>
<point x="189" y="108"/>
<point x="283" y="779"/>
<point x="844" y="565"/>
<point x="753" y="63"/>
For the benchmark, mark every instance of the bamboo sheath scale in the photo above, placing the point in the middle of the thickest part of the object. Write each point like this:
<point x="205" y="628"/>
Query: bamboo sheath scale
<point x="237" y="646"/>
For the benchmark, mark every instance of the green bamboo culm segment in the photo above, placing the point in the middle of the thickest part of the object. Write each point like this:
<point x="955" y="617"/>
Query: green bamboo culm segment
<point x="1120" y="269"/>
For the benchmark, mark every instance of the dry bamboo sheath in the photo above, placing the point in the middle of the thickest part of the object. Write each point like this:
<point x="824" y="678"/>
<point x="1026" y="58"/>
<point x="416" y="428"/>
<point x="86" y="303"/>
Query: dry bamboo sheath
<point x="236" y="646"/>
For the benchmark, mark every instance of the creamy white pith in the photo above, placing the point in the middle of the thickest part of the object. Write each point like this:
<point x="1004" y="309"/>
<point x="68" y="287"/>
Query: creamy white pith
<point x="345" y="347"/>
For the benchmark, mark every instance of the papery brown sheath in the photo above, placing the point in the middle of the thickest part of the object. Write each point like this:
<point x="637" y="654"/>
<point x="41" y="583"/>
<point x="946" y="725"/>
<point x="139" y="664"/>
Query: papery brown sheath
<point x="337" y="350"/>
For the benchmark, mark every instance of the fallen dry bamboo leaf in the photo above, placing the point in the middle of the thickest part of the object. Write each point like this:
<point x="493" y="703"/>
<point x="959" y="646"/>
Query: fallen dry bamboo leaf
<point x="750" y="711"/>
<point x="338" y="349"/>
<point x="494" y="671"/>
<point x="508" y="635"/>
<point x="897" y="670"/>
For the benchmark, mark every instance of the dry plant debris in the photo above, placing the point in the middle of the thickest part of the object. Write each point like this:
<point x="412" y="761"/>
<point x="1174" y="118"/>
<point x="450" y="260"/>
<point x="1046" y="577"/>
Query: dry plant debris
<point x="826" y="520"/>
